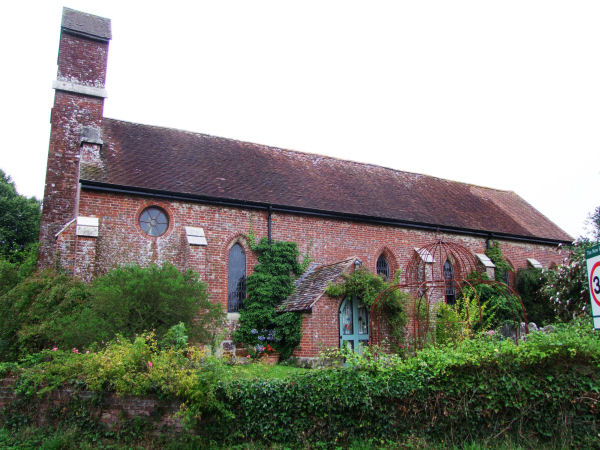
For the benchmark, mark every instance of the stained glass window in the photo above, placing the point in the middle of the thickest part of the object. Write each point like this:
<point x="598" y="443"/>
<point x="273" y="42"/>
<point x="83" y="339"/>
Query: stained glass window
<point x="154" y="221"/>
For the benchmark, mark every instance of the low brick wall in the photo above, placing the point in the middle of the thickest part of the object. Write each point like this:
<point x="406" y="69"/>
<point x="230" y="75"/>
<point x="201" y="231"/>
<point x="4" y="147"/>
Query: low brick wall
<point x="111" y="410"/>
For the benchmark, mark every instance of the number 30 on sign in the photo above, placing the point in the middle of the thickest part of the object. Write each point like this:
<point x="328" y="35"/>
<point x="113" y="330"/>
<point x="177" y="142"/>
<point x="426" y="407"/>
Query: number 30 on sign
<point x="592" y="257"/>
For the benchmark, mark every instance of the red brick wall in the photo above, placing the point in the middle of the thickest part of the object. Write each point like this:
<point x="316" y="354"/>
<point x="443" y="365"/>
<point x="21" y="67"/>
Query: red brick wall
<point x="82" y="60"/>
<point x="122" y="241"/>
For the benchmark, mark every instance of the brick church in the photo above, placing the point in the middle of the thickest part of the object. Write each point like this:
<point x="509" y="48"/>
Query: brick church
<point x="120" y="192"/>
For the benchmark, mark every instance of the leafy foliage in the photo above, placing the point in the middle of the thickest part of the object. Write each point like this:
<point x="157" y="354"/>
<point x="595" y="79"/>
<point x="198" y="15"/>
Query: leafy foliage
<point x="538" y="306"/>
<point x="455" y="323"/>
<point x="498" y="305"/>
<point x="49" y="309"/>
<point x="19" y="221"/>
<point x="366" y="286"/>
<point x="13" y="272"/>
<point x="271" y="282"/>
<point x="494" y="252"/>
<point x="35" y="312"/>
<point x="543" y="392"/>
<point x="566" y="286"/>
<point x="130" y="300"/>
<point x="545" y="389"/>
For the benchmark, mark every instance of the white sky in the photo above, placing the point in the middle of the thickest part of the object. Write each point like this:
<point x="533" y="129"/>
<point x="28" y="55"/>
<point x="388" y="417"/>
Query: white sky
<point x="504" y="94"/>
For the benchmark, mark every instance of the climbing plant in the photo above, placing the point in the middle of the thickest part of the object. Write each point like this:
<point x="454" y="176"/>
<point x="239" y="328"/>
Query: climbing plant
<point x="262" y="327"/>
<point x="366" y="286"/>
<point x="494" y="252"/>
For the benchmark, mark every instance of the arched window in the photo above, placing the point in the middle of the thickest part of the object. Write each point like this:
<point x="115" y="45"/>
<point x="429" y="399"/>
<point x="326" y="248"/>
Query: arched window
<point x="236" y="292"/>
<point x="449" y="277"/>
<point x="383" y="268"/>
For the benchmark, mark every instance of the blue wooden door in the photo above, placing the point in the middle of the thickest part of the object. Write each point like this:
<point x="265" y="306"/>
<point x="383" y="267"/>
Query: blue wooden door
<point x="354" y="324"/>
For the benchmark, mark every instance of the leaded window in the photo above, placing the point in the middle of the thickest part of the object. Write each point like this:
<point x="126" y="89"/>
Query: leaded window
<point x="383" y="268"/>
<point x="154" y="221"/>
<point x="449" y="277"/>
<point x="236" y="292"/>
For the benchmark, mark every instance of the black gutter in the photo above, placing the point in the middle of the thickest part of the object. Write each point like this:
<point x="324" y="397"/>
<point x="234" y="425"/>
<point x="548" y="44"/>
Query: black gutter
<point x="269" y="223"/>
<point x="167" y="195"/>
<point x="83" y="34"/>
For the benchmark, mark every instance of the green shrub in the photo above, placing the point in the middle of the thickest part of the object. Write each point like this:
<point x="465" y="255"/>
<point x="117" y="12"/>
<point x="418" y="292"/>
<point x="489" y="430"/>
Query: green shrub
<point x="498" y="305"/>
<point x="50" y="309"/>
<point x="176" y="337"/>
<point x="539" y="309"/>
<point x="448" y="325"/>
<point x="34" y="314"/>
<point x="130" y="300"/>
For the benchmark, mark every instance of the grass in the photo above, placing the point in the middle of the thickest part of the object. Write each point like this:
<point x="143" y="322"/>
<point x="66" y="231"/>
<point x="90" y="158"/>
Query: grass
<point x="263" y="371"/>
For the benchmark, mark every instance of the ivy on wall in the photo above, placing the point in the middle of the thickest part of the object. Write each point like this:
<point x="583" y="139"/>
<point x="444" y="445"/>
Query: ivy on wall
<point x="494" y="252"/>
<point x="261" y="326"/>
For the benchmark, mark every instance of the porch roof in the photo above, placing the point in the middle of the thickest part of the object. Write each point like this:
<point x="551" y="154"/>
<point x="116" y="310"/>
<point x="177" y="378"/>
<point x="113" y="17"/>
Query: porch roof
<point x="311" y="286"/>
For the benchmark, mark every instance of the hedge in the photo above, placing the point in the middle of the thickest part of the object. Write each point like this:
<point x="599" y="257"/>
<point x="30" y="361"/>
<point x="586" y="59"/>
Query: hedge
<point x="544" y="391"/>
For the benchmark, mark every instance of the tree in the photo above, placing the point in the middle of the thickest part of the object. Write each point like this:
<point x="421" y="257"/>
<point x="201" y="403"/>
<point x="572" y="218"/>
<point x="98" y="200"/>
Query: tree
<point x="19" y="219"/>
<point x="566" y="286"/>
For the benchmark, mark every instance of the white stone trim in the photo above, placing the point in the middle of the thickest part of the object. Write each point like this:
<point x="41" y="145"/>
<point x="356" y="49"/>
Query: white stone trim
<point x="87" y="226"/>
<point x="233" y="316"/>
<point x="195" y="236"/>
<point x="535" y="263"/>
<point x="79" y="88"/>
<point x="485" y="260"/>
<point x="64" y="228"/>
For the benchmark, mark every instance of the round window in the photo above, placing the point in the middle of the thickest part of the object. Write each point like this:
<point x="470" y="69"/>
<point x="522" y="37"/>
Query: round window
<point x="154" y="221"/>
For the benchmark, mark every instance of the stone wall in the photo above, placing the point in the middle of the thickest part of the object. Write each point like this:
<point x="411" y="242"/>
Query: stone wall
<point x="112" y="410"/>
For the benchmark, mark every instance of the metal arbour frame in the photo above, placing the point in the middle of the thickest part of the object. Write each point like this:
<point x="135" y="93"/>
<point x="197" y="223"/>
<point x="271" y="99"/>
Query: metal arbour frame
<point x="428" y="284"/>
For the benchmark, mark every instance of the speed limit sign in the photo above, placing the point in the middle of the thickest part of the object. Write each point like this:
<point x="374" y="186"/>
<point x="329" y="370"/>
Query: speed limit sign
<point x="592" y="256"/>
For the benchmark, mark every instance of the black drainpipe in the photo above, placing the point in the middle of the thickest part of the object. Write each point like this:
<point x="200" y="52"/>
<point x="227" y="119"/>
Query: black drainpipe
<point x="270" y="211"/>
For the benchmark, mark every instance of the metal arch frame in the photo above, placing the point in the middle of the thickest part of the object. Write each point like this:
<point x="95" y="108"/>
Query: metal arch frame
<point x="464" y="263"/>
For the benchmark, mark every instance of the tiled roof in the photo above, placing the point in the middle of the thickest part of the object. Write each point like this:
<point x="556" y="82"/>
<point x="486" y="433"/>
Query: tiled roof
<point x="164" y="159"/>
<point x="312" y="284"/>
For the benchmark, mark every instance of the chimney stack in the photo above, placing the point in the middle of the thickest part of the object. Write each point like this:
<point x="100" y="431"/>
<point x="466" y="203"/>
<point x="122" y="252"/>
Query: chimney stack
<point x="76" y="115"/>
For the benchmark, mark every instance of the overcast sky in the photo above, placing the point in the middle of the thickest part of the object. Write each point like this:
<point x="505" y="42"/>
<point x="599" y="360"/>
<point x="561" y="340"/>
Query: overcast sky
<point x="504" y="94"/>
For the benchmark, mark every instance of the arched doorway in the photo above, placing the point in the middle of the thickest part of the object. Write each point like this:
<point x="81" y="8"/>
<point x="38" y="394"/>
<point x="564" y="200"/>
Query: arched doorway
<point x="354" y="324"/>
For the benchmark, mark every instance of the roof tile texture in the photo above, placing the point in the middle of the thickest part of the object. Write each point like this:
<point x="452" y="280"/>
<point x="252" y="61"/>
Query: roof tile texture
<point x="311" y="286"/>
<point x="178" y="161"/>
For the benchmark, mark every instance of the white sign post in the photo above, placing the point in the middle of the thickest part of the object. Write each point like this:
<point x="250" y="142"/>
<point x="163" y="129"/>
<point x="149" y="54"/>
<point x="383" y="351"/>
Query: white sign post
<point x="592" y="256"/>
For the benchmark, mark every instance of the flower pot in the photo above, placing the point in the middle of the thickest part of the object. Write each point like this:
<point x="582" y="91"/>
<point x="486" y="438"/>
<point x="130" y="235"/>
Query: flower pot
<point x="270" y="358"/>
